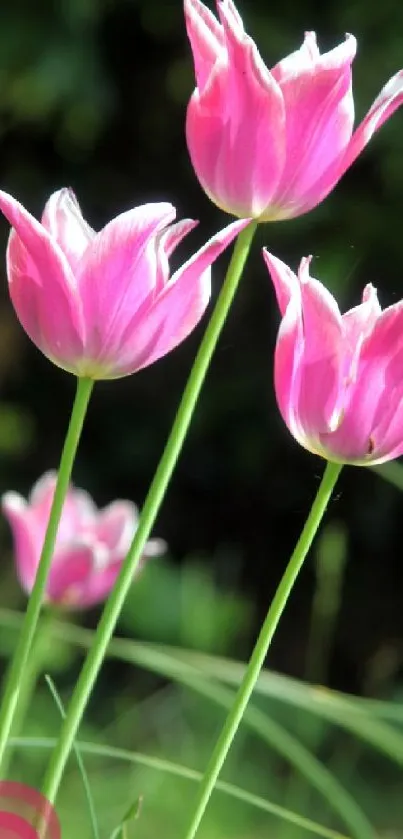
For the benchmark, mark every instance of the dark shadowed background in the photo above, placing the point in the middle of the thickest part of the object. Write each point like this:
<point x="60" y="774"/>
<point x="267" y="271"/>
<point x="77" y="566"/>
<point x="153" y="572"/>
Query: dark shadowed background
<point x="93" y="95"/>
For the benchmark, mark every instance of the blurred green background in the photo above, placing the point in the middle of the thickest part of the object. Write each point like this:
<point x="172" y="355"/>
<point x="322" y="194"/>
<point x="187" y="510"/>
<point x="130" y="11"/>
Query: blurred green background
<point x="93" y="95"/>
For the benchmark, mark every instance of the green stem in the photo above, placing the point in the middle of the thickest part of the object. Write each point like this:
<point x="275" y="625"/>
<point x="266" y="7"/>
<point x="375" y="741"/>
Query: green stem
<point x="256" y="662"/>
<point x="149" y="513"/>
<point x="36" y="664"/>
<point x="22" y="651"/>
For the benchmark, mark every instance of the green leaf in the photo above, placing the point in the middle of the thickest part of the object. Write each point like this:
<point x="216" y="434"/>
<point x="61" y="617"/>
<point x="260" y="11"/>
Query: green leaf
<point x="80" y="762"/>
<point x="180" y="771"/>
<point x="131" y="815"/>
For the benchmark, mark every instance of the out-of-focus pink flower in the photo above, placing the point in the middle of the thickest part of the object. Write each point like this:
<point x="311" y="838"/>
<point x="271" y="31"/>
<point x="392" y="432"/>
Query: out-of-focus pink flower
<point x="103" y="305"/>
<point x="338" y="378"/>
<point x="90" y="545"/>
<point x="271" y="144"/>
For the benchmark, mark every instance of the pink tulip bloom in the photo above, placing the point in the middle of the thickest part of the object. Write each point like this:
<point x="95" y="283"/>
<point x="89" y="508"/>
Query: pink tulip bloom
<point x="91" y="544"/>
<point x="272" y="144"/>
<point x="103" y="305"/>
<point x="338" y="378"/>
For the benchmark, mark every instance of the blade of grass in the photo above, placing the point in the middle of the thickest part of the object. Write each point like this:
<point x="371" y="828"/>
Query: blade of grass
<point x="181" y="665"/>
<point x="84" y="777"/>
<point x="353" y="714"/>
<point x="291" y="750"/>
<point x="180" y="771"/>
<point x="131" y="815"/>
<point x="338" y="799"/>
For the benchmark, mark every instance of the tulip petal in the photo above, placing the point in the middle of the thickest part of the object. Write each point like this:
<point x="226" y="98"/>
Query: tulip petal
<point x="15" y="510"/>
<point x="90" y="544"/>
<point x="41" y="284"/>
<point x="179" y="307"/>
<point x="43" y="489"/>
<point x="352" y="441"/>
<point x="285" y="282"/>
<point x="308" y="359"/>
<point x="116" y="526"/>
<point x="71" y="568"/>
<point x="319" y="109"/>
<point x="387" y="437"/>
<point x="300" y="60"/>
<point x="173" y="235"/>
<point x="48" y="257"/>
<point x="99" y="584"/>
<point x="78" y="508"/>
<point x="118" y="275"/>
<point x="237" y="166"/>
<point x="206" y="38"/>
<point x="371" y="398"/>
<point x="286" y="370"/>
<point x="289" y="342"/>
<point x="338" y="379"/>
<point x="383" y="356"/>
<point x="62" y="218"/>
<point x="389" y="99"/>
<point x="168" y="241"/>
<point x="87" y="320"/>
<point x="272" y="145"/>
<point x="358" y="323"/>
<point x="320" y="394"/>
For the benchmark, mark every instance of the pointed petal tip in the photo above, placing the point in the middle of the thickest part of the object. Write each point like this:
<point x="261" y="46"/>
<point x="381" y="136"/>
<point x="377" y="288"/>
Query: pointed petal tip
<point x="230" y="18"/>
<point x="311" y="43"/>
<point x="348" y="36"/>
<point x="284" y="280"/>
<point x="13" y="503"/>
<point x="278" y="264"/>
<point x="303" y="270"/>
<point x="231" y="230"/>
<point x="369" y="293"/>
<point x="268" y="257"/>
<point x="44" y="485"/>
<point x="273" y="261"/>
<point x="10" y="207"/>
<point x="395" y="85"/>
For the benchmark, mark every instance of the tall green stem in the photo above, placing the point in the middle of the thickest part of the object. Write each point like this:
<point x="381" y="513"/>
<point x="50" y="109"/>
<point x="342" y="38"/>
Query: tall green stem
<point x="149" y="513"/>
<point x="19" y="662"/>
<point x="256" y="662"/>
<point x="34" y="669"/>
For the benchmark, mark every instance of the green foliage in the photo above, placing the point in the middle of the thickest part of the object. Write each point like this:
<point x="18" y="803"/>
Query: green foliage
<point x="93" y="94"/>
<point x="187" y="608"/>
<point x="172" y="718"/>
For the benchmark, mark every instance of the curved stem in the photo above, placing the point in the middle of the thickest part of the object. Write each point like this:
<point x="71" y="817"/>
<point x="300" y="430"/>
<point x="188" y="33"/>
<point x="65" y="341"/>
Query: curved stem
<point x="149" y="513"/>
<point x="20" y="658"/>
<point x="267" y="631"/>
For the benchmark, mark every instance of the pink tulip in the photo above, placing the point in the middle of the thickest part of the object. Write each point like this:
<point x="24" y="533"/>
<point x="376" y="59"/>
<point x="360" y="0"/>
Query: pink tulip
<point x="272" y="144"/>
<point x="90" y="546"/>
<point x="338" y="378"/>
<point x="103" y="305"/>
